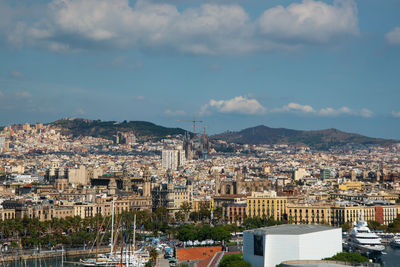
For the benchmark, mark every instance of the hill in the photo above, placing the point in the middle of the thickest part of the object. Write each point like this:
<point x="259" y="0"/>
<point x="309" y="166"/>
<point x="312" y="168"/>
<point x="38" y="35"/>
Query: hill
<point x="106" y="129"/>
<point x="320" y="139"/>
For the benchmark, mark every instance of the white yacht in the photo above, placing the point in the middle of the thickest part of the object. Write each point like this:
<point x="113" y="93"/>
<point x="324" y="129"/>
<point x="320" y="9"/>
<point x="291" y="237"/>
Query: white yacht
<point x="395" y="241"/>
<point x="362" y="239"/>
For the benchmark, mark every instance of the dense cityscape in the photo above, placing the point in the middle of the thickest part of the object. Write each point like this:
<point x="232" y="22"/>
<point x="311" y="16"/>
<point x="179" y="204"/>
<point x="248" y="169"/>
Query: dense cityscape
<point x="169" y="133"/>
<point x="56" y="189"/>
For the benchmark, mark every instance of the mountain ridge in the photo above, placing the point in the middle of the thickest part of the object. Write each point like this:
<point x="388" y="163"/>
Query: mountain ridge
<point x="261" y="134"/>
<point x="319" y="139"/>
<point x="143" y="130"/>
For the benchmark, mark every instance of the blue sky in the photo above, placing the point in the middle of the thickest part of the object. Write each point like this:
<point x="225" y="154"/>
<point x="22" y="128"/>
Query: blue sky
<point x="233" y="64"/>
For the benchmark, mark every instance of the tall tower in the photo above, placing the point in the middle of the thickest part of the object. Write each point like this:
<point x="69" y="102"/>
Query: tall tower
<point x="217" y="184"/>
<point x="147" y="182"/>
<point x="353" y="175"/>
<point x="126" y="181"/>
<point x="239" y="182"/>
<point x="187" y="146"/>
<point x="378" y="175"/>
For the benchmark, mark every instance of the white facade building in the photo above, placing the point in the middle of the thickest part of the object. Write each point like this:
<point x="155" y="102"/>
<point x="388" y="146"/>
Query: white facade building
<point x="2" y="143"/>
<point x="271" y="246"/>
<point x="172" y="159"/>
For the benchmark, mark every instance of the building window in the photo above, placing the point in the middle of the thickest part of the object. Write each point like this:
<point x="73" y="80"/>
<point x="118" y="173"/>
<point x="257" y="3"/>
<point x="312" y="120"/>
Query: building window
<point x="258" y="245"/>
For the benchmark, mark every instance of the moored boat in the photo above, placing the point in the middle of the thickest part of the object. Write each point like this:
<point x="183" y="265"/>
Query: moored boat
<point x="363" y="240"/>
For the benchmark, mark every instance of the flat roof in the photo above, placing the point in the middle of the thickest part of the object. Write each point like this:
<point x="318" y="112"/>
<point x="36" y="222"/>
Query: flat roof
<point x="291" y="229"/>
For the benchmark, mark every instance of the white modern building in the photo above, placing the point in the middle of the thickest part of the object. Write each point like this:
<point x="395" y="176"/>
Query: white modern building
<point x="270" y="246"/>
<point x="172" y="159"/>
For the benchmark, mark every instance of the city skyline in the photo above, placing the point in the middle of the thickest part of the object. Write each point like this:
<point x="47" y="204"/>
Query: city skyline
<point x="233" y="64"/>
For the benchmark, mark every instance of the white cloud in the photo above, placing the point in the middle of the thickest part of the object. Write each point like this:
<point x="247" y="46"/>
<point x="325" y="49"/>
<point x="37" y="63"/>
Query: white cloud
<point x="334" y="112"/>
<point x="16" y="74"/>
<point x="140" y="98"/>
<point x="366" y="113"/>
<point x="72" y="25"/>
<point x="23" y="94"/>
<point x="295" y="107"/>
<point x="396" y="114"/>
<point x="171" y="113"/>
<point x="239" y="104"/>
<point x="328" y="111"/>
<point x="393" y="37"/>
<point x="310" y="21"/>
<point x="246" y="105"/>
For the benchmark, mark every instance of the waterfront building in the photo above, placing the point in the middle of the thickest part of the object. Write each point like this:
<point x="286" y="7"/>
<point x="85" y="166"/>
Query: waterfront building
<point x="267" y="204"/>
<point x="234" y="212"/>
<point x="309" y="214"/>
<point x="351" y="213"/>
<point x="387" y="213"/>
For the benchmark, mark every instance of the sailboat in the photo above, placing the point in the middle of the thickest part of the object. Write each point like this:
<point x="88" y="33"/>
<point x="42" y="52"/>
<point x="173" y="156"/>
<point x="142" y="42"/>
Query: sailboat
<point x="128" y="258"/>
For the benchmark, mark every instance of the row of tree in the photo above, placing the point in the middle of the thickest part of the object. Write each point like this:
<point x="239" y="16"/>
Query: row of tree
<point x="189" y="232"/>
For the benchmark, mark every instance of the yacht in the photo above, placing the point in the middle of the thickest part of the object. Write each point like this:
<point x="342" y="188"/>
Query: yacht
<point x="362" y="239"/>
<point x="395" y="241"/>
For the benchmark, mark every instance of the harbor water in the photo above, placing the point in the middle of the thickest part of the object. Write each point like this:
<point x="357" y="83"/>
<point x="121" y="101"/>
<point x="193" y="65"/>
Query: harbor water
<point x="390" y="258"/>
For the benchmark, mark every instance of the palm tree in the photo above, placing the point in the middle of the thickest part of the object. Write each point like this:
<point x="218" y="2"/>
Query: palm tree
<point x="185" y="208"/>
<point x="153" y="256"/>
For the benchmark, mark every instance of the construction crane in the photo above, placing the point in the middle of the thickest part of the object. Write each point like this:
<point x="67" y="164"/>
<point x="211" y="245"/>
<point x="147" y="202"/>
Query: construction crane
<point x="194" y="125"/>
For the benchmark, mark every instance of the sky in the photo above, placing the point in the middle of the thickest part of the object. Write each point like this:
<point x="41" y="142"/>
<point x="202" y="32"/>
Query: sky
<point x="232" y="64"/>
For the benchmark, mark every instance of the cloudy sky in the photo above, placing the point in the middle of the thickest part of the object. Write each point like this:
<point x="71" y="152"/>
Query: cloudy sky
<point x="233" y="64"/>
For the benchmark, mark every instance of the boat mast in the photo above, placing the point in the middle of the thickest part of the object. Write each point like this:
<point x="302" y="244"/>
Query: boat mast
<point x="97" y="238"/>
<point x="112" y="229"/>
<point x="134" y="233"/>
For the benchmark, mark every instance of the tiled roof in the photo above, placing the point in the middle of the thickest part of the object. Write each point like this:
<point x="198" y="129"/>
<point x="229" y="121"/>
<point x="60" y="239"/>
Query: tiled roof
<point x="189" y="254"/>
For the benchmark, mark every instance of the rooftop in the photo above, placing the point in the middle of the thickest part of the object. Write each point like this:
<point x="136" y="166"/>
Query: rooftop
<point x="290" y="229"/>
<point x="199" y="253"/>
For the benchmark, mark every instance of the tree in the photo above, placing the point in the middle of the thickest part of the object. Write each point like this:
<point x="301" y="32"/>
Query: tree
<point x="194" y="216"/>
<point x="185" y="208"/>
<point x="218" y="214"/>
<point x="187" y="232"/>
<point x="153" y="256"/>
<point x="219" y="233"/>
<point x="204" y="211"/>
<point x="205" y="232"/>
<point x="233" y="260"/>
<point x="373" y="225"/>
<point x="394" y="226"/>
<point x="346" y="227"/>
<point x="349" y="257"/>
<point x="180" y="216"/>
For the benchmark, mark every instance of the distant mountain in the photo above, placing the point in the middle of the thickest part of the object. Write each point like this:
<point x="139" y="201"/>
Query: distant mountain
<point x="320" y="139"/>
<point x="142" y="129"/>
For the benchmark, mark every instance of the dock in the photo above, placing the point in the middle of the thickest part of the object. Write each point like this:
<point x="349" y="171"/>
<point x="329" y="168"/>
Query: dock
<point x="54" y="254"/>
